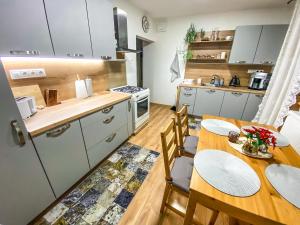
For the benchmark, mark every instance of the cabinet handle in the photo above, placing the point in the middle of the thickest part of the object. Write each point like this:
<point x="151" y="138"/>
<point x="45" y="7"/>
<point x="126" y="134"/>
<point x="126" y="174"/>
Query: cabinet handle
<point x="105" y="57"/>
<point x="20" y="136"/>
<point x="241" y="62"/>
<point x="187" y="105"/>
<point x="24" y="52"/>
<point x="129" y="106"/>
<point x="108" y="109"/>
<point x="75" y="55"/>
<point x="111" y="138"/>
<point x="266" y="62"/>
<point x="59" y="131"/>
<point x="211" y="91"/>
<point x="187" y="94"/>
<point x="259" y="96"/>
<point x="236" y="93"/>
<point x="187" y="89"/>
<point x="108" y="120"/>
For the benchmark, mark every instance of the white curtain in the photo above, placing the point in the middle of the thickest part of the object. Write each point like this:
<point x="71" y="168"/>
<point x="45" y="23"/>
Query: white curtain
<point x="285" y="81"/>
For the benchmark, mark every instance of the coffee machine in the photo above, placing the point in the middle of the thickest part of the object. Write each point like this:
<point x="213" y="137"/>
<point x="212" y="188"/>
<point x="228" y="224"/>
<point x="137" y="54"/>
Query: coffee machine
<point x="259" y="80"/>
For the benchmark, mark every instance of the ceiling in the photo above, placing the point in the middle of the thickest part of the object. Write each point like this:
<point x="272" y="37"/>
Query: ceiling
<point x="173" y="8"/>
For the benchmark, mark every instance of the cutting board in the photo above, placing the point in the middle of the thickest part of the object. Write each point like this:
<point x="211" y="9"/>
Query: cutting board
<point x="30" y="90"/>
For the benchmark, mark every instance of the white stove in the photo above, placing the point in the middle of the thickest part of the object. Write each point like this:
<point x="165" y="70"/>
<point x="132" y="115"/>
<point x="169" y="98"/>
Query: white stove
<point x="140" y="101"/>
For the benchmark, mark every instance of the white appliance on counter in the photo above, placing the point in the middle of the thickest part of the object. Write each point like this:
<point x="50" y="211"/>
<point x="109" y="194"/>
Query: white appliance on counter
<point x="26" y="106"/>
<point x="140" y="101"/>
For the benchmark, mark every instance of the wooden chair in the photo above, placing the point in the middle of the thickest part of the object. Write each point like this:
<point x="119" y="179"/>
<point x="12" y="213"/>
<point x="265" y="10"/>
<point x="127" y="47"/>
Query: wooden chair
<point x="178" y="171"/>
<point x="187" y="143"/>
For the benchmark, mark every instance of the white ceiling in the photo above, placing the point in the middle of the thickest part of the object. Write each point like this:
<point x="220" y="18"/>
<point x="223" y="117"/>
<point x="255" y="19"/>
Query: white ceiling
<point x="172" y="8"/>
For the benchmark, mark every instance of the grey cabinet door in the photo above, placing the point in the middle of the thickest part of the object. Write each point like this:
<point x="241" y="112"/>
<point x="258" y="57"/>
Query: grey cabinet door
<point x="101" y="21"/>
<point x="187" y="97"/>
<point x="68" y="24"/>
<point x="63" y="156"/>
<point x="233" y="104"/>
<point x="25" y="190"/>
<point x="208" y="102"/>
<point x="270" y="42"/>
<point x="245" y="44"/>
<point x="24" y="28"/>
<point x="252" y="106"/>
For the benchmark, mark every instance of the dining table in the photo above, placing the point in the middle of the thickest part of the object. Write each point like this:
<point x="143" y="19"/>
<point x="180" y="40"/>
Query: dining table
<point x="266" y="206"/>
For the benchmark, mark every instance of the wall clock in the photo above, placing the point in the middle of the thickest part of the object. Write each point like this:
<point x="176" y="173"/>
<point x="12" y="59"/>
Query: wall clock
<point x="145" y="24"/>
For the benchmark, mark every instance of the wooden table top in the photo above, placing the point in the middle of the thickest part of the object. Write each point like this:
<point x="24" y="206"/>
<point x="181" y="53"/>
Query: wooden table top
<point x="266" y="206"/>
<point x="70" y="110"/>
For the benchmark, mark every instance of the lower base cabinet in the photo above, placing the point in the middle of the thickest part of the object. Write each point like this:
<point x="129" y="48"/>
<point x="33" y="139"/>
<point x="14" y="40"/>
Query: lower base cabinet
<point x="63" y="156"/>
<point x="251" y="107"/>
<point x="233" y="104"/>
<point x="106" y="146"/>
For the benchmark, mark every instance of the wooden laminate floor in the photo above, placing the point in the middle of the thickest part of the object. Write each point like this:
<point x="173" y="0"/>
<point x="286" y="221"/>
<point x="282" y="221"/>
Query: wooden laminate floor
<point x="144" y="208"/>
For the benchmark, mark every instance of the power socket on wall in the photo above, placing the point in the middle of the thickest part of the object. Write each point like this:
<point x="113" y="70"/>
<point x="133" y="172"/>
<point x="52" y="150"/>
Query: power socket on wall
<point x="253" y="71"/>
<point x="27" y="73"/>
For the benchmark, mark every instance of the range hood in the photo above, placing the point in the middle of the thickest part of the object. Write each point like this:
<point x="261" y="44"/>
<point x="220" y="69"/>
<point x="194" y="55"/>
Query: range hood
<point x="120" y="21"/>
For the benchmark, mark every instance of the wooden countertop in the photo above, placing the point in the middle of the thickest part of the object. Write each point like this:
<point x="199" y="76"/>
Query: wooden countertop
<point x="54" y="116"/>
<point x="225" y="88"/>
<point x="267" y="206"/>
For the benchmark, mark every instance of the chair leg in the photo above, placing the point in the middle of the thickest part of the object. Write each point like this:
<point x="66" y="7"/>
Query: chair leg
<point x="165" y="198"/>
<point x="213" y="218"/>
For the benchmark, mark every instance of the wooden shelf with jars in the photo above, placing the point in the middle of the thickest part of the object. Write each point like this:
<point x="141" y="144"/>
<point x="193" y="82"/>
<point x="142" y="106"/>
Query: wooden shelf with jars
<point x="211" y="47"/>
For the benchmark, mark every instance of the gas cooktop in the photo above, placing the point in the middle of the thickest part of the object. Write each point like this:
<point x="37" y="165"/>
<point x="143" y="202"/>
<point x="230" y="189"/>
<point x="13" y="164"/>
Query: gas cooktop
<point x="129" y="89"/>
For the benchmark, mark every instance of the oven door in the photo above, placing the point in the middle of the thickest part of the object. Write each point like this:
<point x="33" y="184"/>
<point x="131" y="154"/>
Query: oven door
<point x="142" y="107"/>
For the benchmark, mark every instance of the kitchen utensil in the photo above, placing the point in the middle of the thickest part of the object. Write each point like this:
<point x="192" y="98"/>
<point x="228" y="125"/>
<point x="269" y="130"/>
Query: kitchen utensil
<point x="80" y="88"/>
<point x="228" y="38"/>
<point x="30" y="90"/>
<point x="259" y="81"/>
<point x="235" y="81"/>
<point x="26" y="106"/>
<point x="51" y="97"/>
<point x="89" y="86"/>
<point x="219" y="127"/>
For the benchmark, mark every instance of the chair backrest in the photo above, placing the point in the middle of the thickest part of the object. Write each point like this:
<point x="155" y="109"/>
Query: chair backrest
<point x="183" y="124"/>
<point x="169" y="146"/>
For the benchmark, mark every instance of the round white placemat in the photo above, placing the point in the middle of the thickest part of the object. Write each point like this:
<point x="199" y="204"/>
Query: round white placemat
<point x="286" y="180"/>
<point x="219" y="127"/>
<point x="281" y="141"/>
<point x="227" y="173"/>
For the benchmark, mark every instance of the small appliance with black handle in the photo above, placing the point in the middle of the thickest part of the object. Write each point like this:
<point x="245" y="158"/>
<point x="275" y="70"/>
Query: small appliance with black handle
<point x="235" y="81"/>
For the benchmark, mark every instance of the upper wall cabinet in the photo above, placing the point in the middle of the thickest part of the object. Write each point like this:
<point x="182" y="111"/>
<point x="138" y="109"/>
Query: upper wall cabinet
<point x="24" y="28"/>
<point x="270" y="42"/>
<point x="101" y="21"/>
<point x="245" y="43"/>
<point x="69" y="28"/>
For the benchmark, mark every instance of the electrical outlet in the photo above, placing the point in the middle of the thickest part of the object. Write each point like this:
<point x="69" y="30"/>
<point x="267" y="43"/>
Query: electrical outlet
<point x="27" y="73"/>
<point x="254" y="70"/>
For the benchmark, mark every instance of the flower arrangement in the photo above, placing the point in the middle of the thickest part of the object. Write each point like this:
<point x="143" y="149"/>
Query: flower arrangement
<point x="258" y="139"/>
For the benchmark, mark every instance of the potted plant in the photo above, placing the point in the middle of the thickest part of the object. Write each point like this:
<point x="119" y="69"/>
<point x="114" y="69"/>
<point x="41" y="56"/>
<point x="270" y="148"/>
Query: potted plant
<point x="191" y="34"/>
<point x="258" y="139"/>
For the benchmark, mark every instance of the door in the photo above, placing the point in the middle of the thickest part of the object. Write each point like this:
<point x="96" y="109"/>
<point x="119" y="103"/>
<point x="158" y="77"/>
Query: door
<point x="142" y="107"/>
<point x="270" y="42"/>
<point x="63" y="155"/>
<point x="25" y="190"/>
<point x="24" y="29"/>
<point x="68" y="24"/>
<point x="245" y="44"/>
<point x="101" y="22"/>
<point x="208" y="101"/>
<point x="251" y="107"/>
<point x="233" y="104"/>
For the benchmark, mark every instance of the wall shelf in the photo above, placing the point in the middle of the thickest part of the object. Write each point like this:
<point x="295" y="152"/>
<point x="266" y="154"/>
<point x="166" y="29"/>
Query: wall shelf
<point x="210" y="61"/>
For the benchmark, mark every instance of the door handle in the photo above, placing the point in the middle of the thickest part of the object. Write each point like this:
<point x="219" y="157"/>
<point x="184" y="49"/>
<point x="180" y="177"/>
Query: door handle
<point x="59" y="131"/>
<point x="108" y="120"/>
<point x="75" y="55"/>
<point x="187" y="94"/>
<point x="211" y="91"/>
<point x="241" y="61"/>
<point x="236" y="93"/>
<point x="24" y="52"/>
<point x="20" y="136"/>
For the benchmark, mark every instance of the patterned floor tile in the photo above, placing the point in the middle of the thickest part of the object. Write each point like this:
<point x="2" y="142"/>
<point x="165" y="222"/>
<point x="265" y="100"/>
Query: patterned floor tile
<point x="58" y="211"/>
<point x="102" y="198"/>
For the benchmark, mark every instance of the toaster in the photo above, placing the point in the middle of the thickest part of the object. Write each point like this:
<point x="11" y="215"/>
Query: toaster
<point x="26" y="106"/>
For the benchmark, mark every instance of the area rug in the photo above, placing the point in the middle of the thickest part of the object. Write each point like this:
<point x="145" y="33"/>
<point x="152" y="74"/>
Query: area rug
<point x="194" y="123"/>
<point x="103" y="197"/>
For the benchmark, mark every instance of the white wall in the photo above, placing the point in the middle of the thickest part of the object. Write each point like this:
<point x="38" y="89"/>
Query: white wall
<point x="159" y="55"/>
<point x="134" y="26"/>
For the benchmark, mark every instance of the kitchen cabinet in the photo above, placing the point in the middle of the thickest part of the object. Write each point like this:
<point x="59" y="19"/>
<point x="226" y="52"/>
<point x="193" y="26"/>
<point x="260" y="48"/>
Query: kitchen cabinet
<point x="24" y="29"/>
<point x="270" y="42"/>
<point x="233" y="104"/>
<point x="25" y="190"/>
<point x="101" y="23"/>
<point x="69" y="28"/>
<point x="251" y="107"/>
<point x="187" y="97"/>
<point x="245" y="44"/>
<point x="208" y="101"/>
<point x="63" y="155"/>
